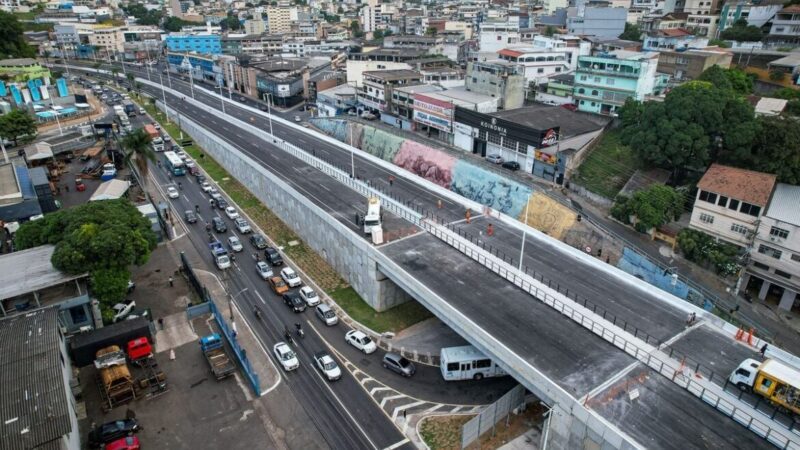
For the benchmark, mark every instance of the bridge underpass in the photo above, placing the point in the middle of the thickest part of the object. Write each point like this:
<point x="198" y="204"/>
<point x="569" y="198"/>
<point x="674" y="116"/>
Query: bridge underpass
<point x="565" y="352"/>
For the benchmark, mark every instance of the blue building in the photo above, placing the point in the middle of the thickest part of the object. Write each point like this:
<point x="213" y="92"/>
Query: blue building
<point x="210" y="44"/>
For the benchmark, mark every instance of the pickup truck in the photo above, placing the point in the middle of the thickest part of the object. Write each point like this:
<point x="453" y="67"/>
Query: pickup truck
<point x="217" y="357"/>
<point x="221" y="258"/>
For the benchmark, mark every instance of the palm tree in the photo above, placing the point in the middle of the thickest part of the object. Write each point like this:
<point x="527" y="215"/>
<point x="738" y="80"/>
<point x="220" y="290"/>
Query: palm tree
<point x="137" y="144"/>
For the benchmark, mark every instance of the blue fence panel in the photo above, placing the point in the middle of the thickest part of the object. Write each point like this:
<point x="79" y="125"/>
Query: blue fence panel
<point x="61" y="83"/>
<point x="16" y="94"/>
<point x="241" y="354"/>
<point x="641" y="267"/>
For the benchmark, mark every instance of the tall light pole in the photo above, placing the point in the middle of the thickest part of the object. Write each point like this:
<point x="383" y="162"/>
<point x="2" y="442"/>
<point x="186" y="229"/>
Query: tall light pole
<point x="191" y="79"/>
<point x="269" y="111"/>
<point x="221" y="99"/>
<point x="163" y="95"/>
<point x="524" y="235"/>
<point x="230" y="302"/>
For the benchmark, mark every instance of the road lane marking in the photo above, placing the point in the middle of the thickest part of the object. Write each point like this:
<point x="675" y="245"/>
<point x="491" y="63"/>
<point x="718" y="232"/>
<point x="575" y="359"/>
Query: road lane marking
<point x="391" y="397"/>
<point x="400" y="409"/>
<point x="398" y="444"/>
<point x="379" y="389"/>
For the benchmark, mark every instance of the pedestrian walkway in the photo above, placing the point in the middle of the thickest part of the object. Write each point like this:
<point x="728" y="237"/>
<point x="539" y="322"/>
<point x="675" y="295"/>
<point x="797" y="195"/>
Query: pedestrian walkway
<point x="259" y="358"/>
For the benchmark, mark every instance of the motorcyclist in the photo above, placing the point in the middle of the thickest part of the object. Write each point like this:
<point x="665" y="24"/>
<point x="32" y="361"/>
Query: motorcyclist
<point x="257" y="313"/>
<point x="180" y="186"/>
<point x="208" y="226"/>
<point x="197" y="208"/>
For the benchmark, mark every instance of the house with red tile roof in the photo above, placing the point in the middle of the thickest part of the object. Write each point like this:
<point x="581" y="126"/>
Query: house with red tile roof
<point x="730" y="202"/>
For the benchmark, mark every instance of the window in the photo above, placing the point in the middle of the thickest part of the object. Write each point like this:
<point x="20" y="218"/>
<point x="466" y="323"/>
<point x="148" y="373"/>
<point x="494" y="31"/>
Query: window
<point x="452" y="367"/>
<point x="783" y="274"/>
<point x="595" y="93"/>
<point x="736" y="228"/>
<point x="733" y="204"/>
<point x="749" y="209"/>
<point x="722" y="201"/>
<point x="795" y="257"/>
<point x="583" y="77"/>
<point x="779" y="232"/>
<point x="706" y="218"/>
<point x="610" y="81"/>
<point x="499" y="38"/>
<point x="709" y="197"/>
<point x="483" y="363"/>
<point x="558" y="69"/>
<point x="78" y="315"/>
<point x="596" y="79"/>
<point x="760" y="266"/>
<point x="769" y="251"/>
<point x="581" y="90"/>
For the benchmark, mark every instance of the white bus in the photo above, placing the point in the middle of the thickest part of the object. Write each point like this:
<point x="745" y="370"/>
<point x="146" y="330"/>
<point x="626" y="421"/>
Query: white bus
<point x="174" y="164"/>
<point x="467" y="363"/>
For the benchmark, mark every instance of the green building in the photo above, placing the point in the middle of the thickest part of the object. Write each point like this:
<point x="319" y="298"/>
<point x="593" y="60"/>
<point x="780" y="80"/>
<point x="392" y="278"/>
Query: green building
<point x="22" y="69"/>
<point x="604" y="82"/>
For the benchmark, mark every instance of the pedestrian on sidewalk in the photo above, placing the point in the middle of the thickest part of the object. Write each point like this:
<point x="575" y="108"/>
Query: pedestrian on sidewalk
<point x="763" y="351"/>
<point x="66" y="188"/>
<point x="391" y="180"/>
<point x="467" y="215"/>
<point x="490" y="230"/>
<point x="404" y="414"/>
<point x="439" y="203"/>
<point x="161" y="322"/>
<point x="171" y="282"/>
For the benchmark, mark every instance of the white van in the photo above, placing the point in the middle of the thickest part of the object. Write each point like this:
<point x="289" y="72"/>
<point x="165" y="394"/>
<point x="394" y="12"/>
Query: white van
<point x="467" y="363"/>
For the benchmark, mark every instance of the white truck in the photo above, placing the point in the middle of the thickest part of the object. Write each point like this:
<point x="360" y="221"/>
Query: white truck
<point x="221" y="258"/>
<point x="373" y="217"/>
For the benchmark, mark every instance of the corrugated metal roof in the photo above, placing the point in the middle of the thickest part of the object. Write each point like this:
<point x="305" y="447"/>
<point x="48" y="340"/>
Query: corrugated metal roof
<point x="39" y="272"/>
<point x="25" y="184"/>
<point x="785" y="204"/>
<point x="33" y="398"/>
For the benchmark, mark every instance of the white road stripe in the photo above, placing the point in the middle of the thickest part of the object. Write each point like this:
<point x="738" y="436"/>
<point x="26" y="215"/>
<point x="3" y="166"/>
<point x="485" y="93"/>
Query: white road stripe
<point x="393" y="397"/>
<point x="400" y="409"/>
<point x="397" y="444"/>
<point x="378" y="389"/>
<point x="433" y="408"/>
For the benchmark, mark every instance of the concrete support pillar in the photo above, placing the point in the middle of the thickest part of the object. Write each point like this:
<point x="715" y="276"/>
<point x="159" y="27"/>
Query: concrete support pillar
<point x="762" y="294"/>
<point x="742" y="287"/>
<point x="787" y="299"/>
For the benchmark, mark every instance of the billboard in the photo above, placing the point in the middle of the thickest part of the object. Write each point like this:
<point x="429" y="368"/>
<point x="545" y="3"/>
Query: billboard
<point x="498" y="126"/>
<point x="433" y="112"/>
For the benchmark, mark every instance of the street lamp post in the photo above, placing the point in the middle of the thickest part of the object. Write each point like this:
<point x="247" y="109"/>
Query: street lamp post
<point x="163" y="95"/>
<point x="524" y="236"/>
<point x="230" y="302"/>
<point x="222" y="99"/>
<point x="191" y="79"/>
<point x="269" y="111"/>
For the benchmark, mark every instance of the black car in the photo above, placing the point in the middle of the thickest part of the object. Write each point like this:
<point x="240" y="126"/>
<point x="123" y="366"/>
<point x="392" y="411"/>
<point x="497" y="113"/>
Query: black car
<point x="258" y="241"/>
<point x="111" y="431"/>
<point x="273" y="257"/>
<point x="219" y="225"/>
<point x="294" y="301"/>
<point x="222" y="204"/>
<point x="190" y="216"/>
<point x="199" y="178"/>
<point x="511" y="165"/>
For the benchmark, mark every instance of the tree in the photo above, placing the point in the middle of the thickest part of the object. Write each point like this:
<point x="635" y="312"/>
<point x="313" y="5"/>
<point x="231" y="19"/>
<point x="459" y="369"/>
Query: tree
<point x="175" y="24"/>
<point x="732" y="79"/>
<point x="632" y="32"/>
<point x="103" y="238"/>
<point x="114" y="73"/>
<point x="694" y="124"/>
<point x="12" y="45"/>
<point x="431" y="31"/>
<point x="17" y="125"/>
<point x="137" y="144"/>
<point x="355" y="29"/>
<point x="776" y="149"/>
<point x="701" y="248"/>
<point x="719" y="43"/>
<point x="549" y="30"/>
<point x="652" y="207"/>
<point x="740" y="31"/>
<point x="131" y="79"/>
<point x="230" y="23"/>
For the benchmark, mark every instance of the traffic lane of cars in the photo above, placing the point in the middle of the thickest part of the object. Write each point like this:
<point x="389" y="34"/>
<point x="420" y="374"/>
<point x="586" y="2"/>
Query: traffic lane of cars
<point x="306" y="358"/>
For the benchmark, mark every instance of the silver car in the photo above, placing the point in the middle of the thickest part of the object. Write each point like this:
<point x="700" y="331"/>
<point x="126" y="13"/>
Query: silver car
<point x="398" y="364"/>
<point x="326" y="314"/>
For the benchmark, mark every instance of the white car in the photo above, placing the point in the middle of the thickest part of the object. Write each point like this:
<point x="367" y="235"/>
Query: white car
<point x="328" y="366"/>
<point x="264" y="270"/>
<point x="360" y="341"/>
<point x="157" y="126"/>
<point x="172" y="192"/>
<point x="235" y="244"/>
<point x="242" y="225"/>
<point x="205" y="186"/>
<point x="121" y="310"/>
<point x="290" y="277"/>
<point x="230" y="211"/>
<point x="286" y="356"/>
<point x="308" y="294"/>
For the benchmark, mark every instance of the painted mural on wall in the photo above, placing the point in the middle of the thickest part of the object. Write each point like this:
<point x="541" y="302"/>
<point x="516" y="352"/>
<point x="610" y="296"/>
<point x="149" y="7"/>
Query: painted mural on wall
<point x="433" y="165"/>
<point x="461" y="177"/>
<point x="489" y="189"/>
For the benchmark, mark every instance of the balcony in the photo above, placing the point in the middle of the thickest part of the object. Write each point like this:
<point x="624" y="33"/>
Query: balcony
<point x="608" y="72"/>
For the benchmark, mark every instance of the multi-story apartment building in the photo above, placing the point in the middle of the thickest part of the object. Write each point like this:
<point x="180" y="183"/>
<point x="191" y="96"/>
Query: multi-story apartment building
<point x="603" y="83"/>
<point x="703" y="25"/>
<point x="379" y="59"/>
<point x="280" y="19"/>
<point x="376" y="92"/>
<point x="536" y="64"/>
<point x="785" y="27"/>
<point x="109" y="40"/>
<point x="494" y="37"/>
<point x="672" y="39"/>
<point x="431" y="44"/>
<point x="201" y="43"/>
<point x="603" y="22"/>
<point x="756" y="13"/>
<point x="689" y="64"/>
<point x="775" y="253"/>
<point x="499" y="79"/>
<point x="730" y="202"/>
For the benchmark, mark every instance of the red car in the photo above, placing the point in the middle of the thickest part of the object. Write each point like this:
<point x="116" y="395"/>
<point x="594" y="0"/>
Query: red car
<point x="126" y="443"/>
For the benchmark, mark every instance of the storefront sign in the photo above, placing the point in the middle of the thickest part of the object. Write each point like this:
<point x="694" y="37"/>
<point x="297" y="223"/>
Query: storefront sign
<point x="496" y="126"/>
<point x="432" y="121"/>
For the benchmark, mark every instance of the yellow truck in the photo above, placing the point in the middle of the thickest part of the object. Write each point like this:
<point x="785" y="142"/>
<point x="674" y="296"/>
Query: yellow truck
<point x="771" y="379"/>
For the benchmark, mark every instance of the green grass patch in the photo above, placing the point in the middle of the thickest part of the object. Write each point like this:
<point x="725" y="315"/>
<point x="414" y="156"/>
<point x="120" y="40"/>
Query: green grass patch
<point x="608" y="167"/>
<point x="443" y="433"/>
<point x="30" y="15"/>
<point x="395" y="319"/>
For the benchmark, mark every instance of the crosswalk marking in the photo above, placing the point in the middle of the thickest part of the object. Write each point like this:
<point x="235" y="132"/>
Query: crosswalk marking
<point x="400" y="409"/>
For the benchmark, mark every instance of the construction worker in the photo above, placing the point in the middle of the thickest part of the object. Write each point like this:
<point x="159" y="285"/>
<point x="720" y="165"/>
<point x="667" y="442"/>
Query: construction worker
<point x="467" y="215"/>
<point x="490" y="230"/>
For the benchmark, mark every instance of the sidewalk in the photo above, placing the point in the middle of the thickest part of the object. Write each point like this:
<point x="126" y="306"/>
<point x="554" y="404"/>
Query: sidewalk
<point x="784" y="325"/>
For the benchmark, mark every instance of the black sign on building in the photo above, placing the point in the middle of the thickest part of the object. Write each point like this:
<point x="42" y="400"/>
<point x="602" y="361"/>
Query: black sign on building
<point x="525" y="135"/>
